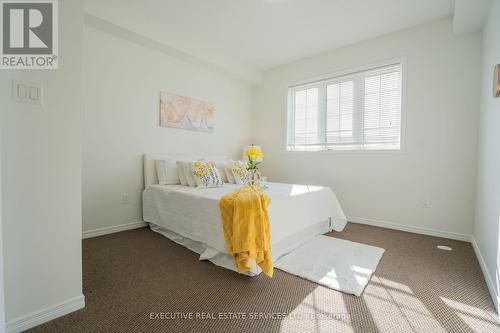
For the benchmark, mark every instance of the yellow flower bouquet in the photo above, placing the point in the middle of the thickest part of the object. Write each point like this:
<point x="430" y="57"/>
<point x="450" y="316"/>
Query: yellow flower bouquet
<point x="255" y="157"/>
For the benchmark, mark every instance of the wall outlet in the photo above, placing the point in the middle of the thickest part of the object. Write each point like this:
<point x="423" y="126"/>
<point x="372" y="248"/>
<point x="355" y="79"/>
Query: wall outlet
<point x="426" y="203"/>
<point x="125" y="198"/>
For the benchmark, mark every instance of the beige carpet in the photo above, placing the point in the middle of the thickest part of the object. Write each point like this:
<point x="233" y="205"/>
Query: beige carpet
<point x="133" y="275"/>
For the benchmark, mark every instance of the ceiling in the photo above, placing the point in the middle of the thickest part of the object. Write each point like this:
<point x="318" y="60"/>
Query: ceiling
<point x="256" y="35"/>
<point x="470" y="15"/>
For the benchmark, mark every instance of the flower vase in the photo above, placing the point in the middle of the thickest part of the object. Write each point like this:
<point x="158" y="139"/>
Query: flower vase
<point x="253" y="177"/>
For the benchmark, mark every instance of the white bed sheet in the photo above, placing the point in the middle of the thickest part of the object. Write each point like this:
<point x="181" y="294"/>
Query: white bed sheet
<point x="194" y="212"/>
<point x="225" y="260"/>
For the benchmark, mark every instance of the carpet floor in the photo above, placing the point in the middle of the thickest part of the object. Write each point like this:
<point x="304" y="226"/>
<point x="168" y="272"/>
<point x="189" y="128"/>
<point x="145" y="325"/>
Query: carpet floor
<point x="139" y="281"/>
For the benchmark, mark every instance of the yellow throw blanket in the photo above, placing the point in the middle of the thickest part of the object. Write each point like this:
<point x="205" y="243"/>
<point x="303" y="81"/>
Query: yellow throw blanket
<point x="246" y="228"/>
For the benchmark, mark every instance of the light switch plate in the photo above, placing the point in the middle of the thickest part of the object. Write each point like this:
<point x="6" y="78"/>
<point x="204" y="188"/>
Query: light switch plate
<point x="27" y="92"/>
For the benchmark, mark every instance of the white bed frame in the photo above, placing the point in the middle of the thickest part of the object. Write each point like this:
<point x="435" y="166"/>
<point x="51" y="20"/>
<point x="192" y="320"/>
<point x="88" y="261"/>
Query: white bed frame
<point x="150" y="177"/>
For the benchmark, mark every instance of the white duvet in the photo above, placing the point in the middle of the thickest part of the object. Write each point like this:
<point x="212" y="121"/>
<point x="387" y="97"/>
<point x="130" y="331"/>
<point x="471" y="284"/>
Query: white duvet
<point x="194" y="212"/>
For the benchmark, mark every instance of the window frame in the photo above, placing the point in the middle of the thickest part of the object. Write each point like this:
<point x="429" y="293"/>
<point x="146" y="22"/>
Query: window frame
<point x="335" y="77"/>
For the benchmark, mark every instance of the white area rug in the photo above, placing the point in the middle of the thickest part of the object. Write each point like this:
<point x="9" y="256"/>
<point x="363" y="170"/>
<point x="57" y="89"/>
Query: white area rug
<point x="335" y="263"/>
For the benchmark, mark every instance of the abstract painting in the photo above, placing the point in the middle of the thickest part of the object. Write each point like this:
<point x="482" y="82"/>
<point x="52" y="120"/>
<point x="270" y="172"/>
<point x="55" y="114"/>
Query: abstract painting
<point x="186" y="112"/>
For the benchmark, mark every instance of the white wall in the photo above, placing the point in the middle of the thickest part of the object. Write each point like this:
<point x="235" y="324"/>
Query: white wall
<point x="438" y="163"/>
<point x="2" y="281"/>
<point x="122" y="82"/>
<point x="41" y="181"/>
<point x="488" y="177"/>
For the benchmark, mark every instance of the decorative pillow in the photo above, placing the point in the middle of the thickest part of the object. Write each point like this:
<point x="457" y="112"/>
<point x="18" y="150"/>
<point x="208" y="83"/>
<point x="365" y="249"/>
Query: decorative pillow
<point x="205" y="174"/>
<point x="166" y="172"/>
<point x="240" y="172"/>
<point x="181" y="173"/>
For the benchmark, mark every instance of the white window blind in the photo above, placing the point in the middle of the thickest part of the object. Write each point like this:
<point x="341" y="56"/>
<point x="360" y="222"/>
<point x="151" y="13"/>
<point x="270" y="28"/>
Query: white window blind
<point x="360" y="110"/>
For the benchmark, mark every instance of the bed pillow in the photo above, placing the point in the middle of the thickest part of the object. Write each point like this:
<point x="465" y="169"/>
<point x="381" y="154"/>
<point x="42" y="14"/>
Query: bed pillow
<point x="240" y="172"/>
<point x="227" y="170"/>
<point x="221" y="168"/>
<point x="166" y="171"/>
<point x="205" y="174"/>
<point x="187" y="173"/>
<point x="181" y="173"/>
<point x="229" y="174"/>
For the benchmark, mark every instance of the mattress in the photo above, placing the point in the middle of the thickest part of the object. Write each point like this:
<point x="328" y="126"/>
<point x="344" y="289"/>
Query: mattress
<point x="191" y="216"/>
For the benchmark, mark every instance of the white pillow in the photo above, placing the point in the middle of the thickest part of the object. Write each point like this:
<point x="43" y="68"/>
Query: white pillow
<point x="240" y="172"/>
<point x="221" y="168"/>
<point x="205" y="174"/>
<point x="187" y="172"/>
<point x="181" y="173"/>
<point x="229" y="174"/>
<point x="166" y="171"/>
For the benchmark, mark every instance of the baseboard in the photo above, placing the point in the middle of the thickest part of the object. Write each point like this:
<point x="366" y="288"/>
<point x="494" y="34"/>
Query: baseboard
<point x="113" y="229"/>
<point x="487" y="275"/>
<point x="416" y="230"/>
<point x="45" y="315"/>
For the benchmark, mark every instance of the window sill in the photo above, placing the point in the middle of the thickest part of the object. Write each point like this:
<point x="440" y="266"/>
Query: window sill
<point x="346" y="151"/>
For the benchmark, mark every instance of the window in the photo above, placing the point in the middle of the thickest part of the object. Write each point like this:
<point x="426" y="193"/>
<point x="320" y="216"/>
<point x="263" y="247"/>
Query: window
<point x="356" y="111"/>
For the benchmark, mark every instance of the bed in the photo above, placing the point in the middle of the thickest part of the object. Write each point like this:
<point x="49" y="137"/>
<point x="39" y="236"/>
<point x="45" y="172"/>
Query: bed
<point x="191" y="217"/>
